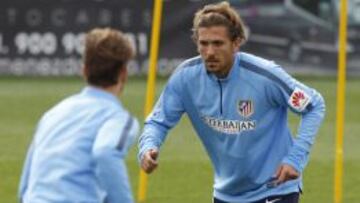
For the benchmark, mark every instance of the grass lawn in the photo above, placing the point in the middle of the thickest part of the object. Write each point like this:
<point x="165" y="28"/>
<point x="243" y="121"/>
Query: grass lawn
<point x="184" y="174"/>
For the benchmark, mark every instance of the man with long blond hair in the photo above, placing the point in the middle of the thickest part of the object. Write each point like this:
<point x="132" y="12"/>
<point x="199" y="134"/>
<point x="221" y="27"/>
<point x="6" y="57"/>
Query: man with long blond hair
<point x="237" y="103"/>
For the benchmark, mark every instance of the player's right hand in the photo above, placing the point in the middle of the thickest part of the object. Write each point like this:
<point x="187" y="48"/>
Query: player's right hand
<point x="149" y="162"/>
<point x="284" y="173"/>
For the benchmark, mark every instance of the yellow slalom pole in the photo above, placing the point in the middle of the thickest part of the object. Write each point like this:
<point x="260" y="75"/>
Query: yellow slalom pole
<point x="340" y="108"/>
<point x="150" y="91"/>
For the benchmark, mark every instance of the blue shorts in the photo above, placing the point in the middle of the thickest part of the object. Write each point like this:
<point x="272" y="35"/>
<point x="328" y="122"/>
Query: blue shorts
<point x="288" y="198"/>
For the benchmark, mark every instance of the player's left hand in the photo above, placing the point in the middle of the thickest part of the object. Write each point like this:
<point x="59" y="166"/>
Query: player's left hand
<point x="284" y="173"/>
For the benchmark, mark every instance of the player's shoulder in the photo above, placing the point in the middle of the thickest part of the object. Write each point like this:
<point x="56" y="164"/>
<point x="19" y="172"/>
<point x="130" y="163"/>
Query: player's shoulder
<point x="84" y="103"/>
<point x="250" y="61"/>
<point x="190" y="68"/>
<point x="61" y="108"/>
<point x="189" y="65"/>
<point x="260" y="67"/>
<point x="191" y="62"/>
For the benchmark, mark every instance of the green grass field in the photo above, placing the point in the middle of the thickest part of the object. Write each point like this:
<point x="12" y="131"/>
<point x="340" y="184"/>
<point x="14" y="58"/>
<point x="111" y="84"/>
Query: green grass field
<point x="184" y="174"/>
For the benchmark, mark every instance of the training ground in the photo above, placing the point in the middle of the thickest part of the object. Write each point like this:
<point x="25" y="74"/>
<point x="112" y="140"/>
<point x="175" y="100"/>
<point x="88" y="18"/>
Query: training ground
<point x="184" y="173"/>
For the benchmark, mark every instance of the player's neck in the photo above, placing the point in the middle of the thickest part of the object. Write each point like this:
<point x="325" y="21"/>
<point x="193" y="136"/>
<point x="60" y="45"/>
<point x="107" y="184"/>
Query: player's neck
<point x="114" y="89"/>
<point x="117" y="88"/>
<point x="224" y="72"/>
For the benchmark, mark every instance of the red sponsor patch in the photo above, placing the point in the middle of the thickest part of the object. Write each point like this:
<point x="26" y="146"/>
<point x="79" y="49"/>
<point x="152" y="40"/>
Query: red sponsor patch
<point x="299" y="99"/>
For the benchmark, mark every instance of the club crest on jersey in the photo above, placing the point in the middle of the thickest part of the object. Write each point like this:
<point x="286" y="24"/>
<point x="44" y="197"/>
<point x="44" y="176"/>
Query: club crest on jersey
<point x="245" y="108"/>
<point x="299" y="99"/>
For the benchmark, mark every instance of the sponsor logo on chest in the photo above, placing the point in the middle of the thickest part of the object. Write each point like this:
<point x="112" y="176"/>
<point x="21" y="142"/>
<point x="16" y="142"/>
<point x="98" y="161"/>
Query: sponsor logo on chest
<point x="245" y="109"/>
<point x="229" y="126"/>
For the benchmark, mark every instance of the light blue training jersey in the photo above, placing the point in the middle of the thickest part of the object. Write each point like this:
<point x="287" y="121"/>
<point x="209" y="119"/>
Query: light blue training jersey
<point x="242" y="122"/>
<point x="78" y="151"/>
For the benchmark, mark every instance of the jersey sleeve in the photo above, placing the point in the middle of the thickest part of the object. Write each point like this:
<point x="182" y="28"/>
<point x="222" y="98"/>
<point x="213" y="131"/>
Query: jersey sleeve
<point x="24" y="180"/>
<point x="110" y="147"/>
<point x="287" y="92"/>
<point x="165" y="115"/>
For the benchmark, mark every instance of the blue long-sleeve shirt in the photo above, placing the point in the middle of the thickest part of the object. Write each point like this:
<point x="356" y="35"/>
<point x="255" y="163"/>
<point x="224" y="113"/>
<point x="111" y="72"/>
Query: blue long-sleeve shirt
<point x="242" y="122"/>
<point x="77" y="153"/>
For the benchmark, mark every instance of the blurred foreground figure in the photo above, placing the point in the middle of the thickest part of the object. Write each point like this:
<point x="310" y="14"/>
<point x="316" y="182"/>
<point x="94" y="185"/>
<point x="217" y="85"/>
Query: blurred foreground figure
<point x="237" y="103"/>
<point x="77" y="153"/>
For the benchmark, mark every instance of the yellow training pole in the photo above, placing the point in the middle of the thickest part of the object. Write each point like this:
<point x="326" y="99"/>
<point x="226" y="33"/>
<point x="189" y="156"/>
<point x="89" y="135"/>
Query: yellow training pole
<point x="340" y="108"/>
<point x="150" y="91"/>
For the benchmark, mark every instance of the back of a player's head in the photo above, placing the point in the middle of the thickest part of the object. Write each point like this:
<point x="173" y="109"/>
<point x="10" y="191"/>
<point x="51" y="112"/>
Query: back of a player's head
<point x="220" y="14"/>
<point x="107" y="51"/>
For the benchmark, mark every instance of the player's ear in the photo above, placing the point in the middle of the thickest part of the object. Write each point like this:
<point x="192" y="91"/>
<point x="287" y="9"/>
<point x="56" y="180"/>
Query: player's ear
<point x="84" y="72"/>
<point x="123" y="73"/>
<point x="122" y="78"/>
<point x="197" y="46"/>
<point x="236" y="44"/>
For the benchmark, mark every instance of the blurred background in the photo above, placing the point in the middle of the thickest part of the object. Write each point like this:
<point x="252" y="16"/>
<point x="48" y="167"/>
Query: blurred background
<point x="40" y="61"/>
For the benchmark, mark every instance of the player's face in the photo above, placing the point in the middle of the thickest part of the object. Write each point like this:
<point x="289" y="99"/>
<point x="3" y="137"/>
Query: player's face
<point x="216" y="49"/>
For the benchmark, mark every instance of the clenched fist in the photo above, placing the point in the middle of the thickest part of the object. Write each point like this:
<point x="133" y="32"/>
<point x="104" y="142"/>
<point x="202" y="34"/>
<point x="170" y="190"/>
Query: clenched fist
<point x="148" y="161"/>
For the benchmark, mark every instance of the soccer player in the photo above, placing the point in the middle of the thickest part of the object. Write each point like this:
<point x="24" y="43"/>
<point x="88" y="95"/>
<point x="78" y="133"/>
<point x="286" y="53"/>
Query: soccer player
<point x="237" y="103"/>
<point x="78" y="151"/>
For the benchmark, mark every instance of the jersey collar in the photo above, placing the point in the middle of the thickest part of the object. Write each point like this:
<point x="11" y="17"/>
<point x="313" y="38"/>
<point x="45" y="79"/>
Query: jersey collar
<point x="233" y="71"/>
<point x="100" y="93"/>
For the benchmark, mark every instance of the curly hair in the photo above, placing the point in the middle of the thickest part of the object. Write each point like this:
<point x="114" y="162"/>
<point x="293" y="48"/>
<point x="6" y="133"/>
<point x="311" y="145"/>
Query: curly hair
<point x="220" y="14"/>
